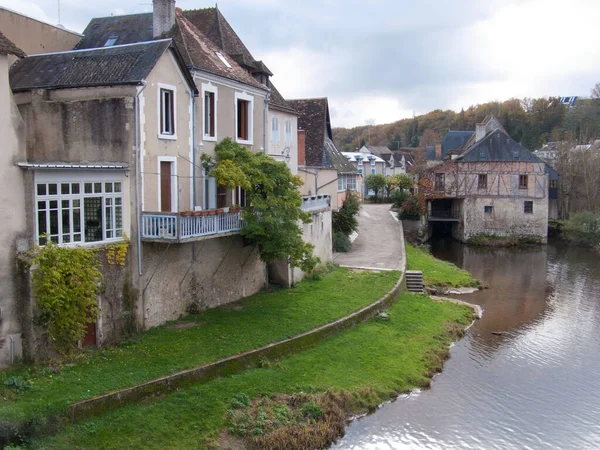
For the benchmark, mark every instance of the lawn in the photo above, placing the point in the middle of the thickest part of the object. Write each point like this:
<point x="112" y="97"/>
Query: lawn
<point x="437" y="272"/>
<point x="195" y="340"/>
<point x="376" y="361"/>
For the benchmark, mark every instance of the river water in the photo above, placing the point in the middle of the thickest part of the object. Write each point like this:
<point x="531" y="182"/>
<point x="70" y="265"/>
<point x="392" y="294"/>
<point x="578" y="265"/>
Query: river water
<point x="536" y="386"/>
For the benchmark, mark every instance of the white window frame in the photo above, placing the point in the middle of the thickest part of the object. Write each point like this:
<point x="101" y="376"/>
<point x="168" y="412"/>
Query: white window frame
<point x="288" y="132"/>
<point x="80" y="178"/>
<point x="174" y="196"/>
<point x="347" y="181"/>
<point x="250" y="100"/>
<point x="275" y="130"/>
<point x="208" y="87"/>
<point x="160" y="112"/>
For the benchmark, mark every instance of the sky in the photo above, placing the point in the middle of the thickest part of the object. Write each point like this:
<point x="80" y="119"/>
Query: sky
<point x="379" y="61"/>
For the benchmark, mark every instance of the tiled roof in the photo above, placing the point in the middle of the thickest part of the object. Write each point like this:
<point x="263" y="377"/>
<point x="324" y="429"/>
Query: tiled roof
<point x="8" y="48"/>
<point x="380" y="151"/>
<point x="278" y="102"/>
<point x="126" y="64"/>
<point x="454" y="140"/>
<point x="320" y="149"/>
<point x="215" y="27"/>
<point x="128" y="29"/>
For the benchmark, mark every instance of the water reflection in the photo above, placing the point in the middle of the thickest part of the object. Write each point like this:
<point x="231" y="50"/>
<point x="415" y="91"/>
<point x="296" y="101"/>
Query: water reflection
<point x="536" y="386"/>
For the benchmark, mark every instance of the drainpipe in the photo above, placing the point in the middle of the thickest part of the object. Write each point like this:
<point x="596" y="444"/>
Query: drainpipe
<point x="138" y="157"/>
<point x="193" y="145"/>
<point x="267" y="98"/>
<point x="316" y="175"/>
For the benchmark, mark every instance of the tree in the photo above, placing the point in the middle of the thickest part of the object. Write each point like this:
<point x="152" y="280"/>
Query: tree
<point x="430" y="137"/>
<point x="375" y="181"/>
<point x="272" y="219"/>
<point x="344" y="221"/>
<point x="403" y="181"/>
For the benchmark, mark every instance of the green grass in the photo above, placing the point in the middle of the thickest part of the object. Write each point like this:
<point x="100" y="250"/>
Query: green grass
<point x="437" y="272"/>
<point x="221" y="332"/>
<point x="376" y="361"/>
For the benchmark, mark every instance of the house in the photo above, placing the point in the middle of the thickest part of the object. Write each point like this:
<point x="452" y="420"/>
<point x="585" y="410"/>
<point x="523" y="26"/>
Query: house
<point x="493" y="187"/>
<point x="322" y="167"/>
<point x="12" y="192"/>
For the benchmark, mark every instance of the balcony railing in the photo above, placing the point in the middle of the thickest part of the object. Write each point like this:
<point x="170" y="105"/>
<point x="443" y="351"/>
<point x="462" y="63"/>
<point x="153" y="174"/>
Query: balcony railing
<point x="176" y="227"/>
<point x="315" y="202"/>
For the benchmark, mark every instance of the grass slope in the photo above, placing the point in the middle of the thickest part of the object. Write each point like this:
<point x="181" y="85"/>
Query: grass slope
<point x="437" y="272"/>
<point x="386" y="357"/>
<point x="265" y="317"/>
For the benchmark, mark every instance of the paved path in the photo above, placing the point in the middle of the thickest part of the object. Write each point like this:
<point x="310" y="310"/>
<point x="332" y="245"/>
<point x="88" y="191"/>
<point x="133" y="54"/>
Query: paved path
<point x="380" y="241"/>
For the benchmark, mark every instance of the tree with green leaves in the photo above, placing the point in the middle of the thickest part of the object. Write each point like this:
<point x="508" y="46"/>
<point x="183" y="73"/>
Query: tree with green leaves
<point x="273" y="215"/>
<point x="403" y="181"/>
<point x="376" y="182"/>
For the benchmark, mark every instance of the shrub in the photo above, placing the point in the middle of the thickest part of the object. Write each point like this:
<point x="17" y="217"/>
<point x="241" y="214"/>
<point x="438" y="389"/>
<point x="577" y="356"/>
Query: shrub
<point x="399" y="197"/>
<point x="411" y="209"/>
<point x="341" y="243"/>
<point x="583" y="228"/>
<point x="344" y="220"/>
<point x="17" y="384"/>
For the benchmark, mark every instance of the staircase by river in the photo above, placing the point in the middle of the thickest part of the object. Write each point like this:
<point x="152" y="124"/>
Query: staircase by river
<point x="414" y="281"/>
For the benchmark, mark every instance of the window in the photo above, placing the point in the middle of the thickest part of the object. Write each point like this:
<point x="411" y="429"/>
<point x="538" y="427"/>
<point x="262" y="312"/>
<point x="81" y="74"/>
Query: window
<point x="482" y="155"/>
<point x="347" y="181"/>
<point x="288" y="132"/>
<point x="488" y="209"/>
<point x="167" y="112"/>
<point x="372" y="167"/>
<point x="223" y="60"/>
<point x="553" y="184"/>
<point x="523" y="181"/>
<point x="111" y="41"/>
<point x="275" y="131"/>
<point x="515" y="155"/>
<point x="243" y="111"/>
<point x="209" y="115"/>
<point x="528" y="207"/>
<point x="440" y="181"/>
<point x="482" y="181"/>
<point x="71" y="211"/>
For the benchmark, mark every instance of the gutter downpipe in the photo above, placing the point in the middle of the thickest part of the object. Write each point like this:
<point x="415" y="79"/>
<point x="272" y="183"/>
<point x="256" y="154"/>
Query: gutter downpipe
<point x="193" y="144"/>
<point x="267" y="98"/>
<point x="316" y="175"/>
<point x="138" y="157"/>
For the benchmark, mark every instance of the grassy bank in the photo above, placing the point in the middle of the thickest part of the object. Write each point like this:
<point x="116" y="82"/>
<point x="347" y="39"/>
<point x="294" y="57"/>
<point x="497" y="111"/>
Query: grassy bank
<point x="370" y="363"/>
<point x="436" y="272"/>
<point x="214" y="334"/>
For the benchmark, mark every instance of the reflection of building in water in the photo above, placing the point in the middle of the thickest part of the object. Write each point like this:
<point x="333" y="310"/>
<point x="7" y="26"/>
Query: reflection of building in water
<point x="518" y="285"/>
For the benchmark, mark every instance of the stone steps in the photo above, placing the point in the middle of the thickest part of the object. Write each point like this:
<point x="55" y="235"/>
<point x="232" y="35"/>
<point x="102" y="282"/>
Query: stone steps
<point x="414" y="281"/>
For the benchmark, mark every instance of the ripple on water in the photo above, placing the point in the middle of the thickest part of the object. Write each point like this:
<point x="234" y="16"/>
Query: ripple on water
<point x="536" y="386"/>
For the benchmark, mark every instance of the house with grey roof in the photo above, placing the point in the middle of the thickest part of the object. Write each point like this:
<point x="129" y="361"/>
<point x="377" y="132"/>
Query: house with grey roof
<point x="493" y="186"/>
<point x="322" y="167"/>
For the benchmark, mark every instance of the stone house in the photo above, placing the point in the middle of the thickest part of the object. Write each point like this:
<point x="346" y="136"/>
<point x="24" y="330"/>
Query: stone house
<point x="494" y="186"/>
<point x="322" y="167"/>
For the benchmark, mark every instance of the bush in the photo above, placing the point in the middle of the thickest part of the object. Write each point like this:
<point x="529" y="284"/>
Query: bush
<point x="341" y="243"/>
<point x="344" y="221"/>
<point x="411" y="209"/>
<point x="583" y="228"/>
<point x="398" y="198"/>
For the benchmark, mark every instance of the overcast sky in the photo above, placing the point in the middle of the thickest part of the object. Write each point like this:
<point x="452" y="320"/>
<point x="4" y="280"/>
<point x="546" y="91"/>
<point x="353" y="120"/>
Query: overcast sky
<point x="381" y="60"/>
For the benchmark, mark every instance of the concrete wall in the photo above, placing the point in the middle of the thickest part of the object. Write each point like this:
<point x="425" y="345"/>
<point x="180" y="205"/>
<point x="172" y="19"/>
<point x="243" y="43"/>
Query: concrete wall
<point x="166" y="74"/>
<point x="13" y="229"/>
<point x="212" y="272"/>
<point x="278" y="150"/>
<point x="33" y="36"/>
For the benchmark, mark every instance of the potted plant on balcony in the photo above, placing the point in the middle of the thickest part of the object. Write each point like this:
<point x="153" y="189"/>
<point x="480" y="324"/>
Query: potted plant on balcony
<point x="186" y="213"/>
<point x="211" y="212"/>
<point x="235" y="208"/>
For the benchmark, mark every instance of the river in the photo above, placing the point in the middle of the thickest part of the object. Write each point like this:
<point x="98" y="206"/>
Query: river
<point x="536" y="386"/>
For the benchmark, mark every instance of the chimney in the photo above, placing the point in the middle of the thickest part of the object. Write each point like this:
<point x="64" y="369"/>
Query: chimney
<point x="438" y="151"/>
<point x="163" y="16"/>
<point x="301" y="148"/>
<point x="479" y="131"/>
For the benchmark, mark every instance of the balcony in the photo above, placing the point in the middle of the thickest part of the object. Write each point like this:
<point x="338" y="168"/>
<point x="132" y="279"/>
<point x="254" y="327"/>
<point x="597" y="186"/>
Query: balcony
<point x="315" y="202"/>
<point x="182" y="227"/>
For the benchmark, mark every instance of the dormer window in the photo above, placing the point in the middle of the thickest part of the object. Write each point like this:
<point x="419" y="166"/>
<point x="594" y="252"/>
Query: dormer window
<point x="111" y="41"/>
<point x="223" y="60"/>
<point x="482" y="155"/>
<point x="516" y="155"/>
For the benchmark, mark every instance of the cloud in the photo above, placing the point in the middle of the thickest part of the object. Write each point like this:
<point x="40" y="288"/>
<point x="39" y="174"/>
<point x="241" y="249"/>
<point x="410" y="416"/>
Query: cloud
<point x="384" y="59"/>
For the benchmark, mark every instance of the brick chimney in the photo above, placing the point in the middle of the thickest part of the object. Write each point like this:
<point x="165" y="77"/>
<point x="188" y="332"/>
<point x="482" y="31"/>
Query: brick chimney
<point x="438" y="151"/>
<point x="301" y="148"/>
<point x="479" y="131"/>
<point x="163" y="16"/>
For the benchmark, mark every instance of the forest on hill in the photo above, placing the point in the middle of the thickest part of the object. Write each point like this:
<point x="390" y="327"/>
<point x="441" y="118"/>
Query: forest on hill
<point x="530" y="121"/>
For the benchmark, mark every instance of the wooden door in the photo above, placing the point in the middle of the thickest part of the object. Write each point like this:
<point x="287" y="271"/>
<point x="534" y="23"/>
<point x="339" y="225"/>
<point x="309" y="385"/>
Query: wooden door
<point x="165" y="186"/>
<point x="221" y="197"/>
<point x="89" y="339"/>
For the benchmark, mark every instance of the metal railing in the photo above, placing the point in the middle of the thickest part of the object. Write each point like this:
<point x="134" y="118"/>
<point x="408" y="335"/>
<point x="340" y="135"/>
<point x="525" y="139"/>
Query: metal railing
<point x="313" y="202"/>
<point x="175" y="227"/>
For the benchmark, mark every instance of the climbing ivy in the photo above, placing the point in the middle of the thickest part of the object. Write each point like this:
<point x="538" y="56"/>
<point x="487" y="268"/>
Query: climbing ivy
<point x="274" y="213"/>
<point x="116" y="254"/>
<point x="65" y="283"/>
